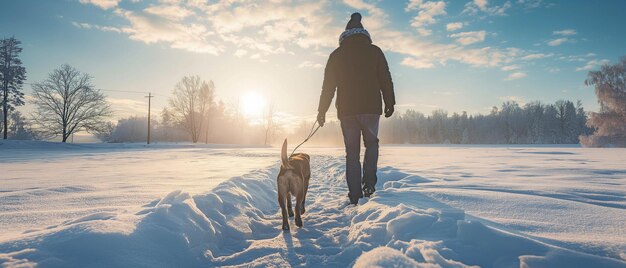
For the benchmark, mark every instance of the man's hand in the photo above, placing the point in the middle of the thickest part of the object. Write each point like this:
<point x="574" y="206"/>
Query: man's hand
<point x="388" y="111"/>
<point x="321" y="119"/>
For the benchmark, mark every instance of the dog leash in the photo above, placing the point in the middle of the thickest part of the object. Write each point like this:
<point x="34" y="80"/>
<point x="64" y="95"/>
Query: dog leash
<point x="311" y="133"/>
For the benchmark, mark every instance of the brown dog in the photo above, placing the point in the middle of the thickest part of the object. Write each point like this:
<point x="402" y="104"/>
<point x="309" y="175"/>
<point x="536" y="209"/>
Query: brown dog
<point x="293" y="179"/>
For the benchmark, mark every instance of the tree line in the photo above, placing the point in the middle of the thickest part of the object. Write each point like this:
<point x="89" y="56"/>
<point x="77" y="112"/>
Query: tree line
<point x="67" y="102"/>
<point x="533" y="123"/>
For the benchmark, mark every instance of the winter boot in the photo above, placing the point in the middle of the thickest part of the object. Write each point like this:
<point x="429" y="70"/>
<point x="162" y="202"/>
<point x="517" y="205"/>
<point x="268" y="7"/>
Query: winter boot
<point x="368" y="190"/>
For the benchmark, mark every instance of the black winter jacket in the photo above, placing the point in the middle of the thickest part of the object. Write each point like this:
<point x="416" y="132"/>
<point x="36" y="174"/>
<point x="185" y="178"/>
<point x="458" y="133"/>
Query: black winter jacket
<point x="359" y="72"/>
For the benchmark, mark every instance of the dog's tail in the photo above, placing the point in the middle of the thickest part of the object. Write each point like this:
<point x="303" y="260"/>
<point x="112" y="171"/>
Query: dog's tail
<point x="283" y="155"/>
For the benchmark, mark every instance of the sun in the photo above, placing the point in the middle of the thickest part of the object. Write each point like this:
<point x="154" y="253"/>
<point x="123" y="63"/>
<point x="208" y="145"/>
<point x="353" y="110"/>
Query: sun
<point x="252" y="104"/>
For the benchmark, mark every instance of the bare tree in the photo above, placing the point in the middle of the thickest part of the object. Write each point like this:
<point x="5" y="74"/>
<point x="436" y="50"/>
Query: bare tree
<point x="269" y="123"/>
<point x="610" y="122"/>
<point x="67" y="103"/>
<point x="12" y="76"/>
<point x="190" y="102"/>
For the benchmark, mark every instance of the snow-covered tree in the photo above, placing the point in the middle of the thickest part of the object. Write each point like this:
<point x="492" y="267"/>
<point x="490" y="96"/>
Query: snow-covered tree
<point x="67" y="102"/>
<point x="105" y="134"/>
<point x="19" y="128"/>
<point x="132" y="129"/>
<point x="610" y="121"/>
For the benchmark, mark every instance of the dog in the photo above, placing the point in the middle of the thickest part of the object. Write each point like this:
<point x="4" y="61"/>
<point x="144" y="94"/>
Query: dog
<point x="293" y="179"/>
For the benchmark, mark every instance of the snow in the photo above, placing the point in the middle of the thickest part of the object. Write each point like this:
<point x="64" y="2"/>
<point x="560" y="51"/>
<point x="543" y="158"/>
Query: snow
<point x="43" y="183"/>
<point x="435" y="207"/>
<point x="570" y="197"/>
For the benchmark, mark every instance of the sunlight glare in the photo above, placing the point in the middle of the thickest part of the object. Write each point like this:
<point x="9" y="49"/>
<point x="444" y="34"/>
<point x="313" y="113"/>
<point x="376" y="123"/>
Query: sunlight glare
<point x="252" y="104"/>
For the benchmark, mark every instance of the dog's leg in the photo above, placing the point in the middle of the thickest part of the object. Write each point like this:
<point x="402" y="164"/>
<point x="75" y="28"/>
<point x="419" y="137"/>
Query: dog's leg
<point x="289" y="207"/>
<point x="299" y="205"/>
<point x="302" y="210"/>
<point x="283" y="210"/>
<point x="306" y="189"/>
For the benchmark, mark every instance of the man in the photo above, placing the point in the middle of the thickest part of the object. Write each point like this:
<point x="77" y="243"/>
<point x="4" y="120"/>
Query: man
<point x="358" y="71"/>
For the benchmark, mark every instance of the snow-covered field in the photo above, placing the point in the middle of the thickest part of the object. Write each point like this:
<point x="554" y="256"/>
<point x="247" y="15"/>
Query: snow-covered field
<point x="199" y="206"/>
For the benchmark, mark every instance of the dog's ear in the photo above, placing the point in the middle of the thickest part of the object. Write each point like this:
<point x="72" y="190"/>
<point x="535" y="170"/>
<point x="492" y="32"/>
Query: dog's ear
<point x="283" y="155"/>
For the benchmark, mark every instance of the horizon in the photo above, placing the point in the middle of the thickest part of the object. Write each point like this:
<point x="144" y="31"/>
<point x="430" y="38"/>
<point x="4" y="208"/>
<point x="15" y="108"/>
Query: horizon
<point x="496" y="51"/>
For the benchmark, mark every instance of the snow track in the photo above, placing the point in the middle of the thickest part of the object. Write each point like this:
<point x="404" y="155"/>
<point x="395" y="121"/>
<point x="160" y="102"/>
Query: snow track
<point x="238" y="224"/>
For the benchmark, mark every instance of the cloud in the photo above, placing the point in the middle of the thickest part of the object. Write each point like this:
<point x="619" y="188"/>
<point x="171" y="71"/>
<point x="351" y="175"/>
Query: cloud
<point x="566" y="32"/>
<point x="477" y="6"/>
<point x="453" y="26"/>
<point x="83" y="25"/>
<point x="531" y="4"/>
<point x="510" y="67"/>
<point x="558" y="41"/>
<point x="537" y="56"/>
<point x="481" y="4"/>
<point x="308" y="64"/>
<point x="579" y="58"/>
<point x="171" y="12"/>
<point x="259" y="29"/>
<point x="592" y="64"/>
<point x="427" y="11"/>
<point x="150" y="28"/>
<point x="519" y="100"/>
<point x="422" y="51"/>
<point x="417" y="63"/>
<point x="263" y="26"/>
<point x="424" y="31"/>
<point x="240" y="53"/>
<point x="466" y="38"/>
<point x="563" y="38"/>
<point x="515" y="76"/>
<point x="104" y="4"/>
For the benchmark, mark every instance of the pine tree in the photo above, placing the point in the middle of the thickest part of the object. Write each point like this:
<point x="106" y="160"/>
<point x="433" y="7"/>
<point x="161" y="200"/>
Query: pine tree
<point x="12" y="76"/>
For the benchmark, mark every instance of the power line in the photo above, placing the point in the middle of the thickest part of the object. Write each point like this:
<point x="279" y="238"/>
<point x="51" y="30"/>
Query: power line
<point x="125" y="91"/>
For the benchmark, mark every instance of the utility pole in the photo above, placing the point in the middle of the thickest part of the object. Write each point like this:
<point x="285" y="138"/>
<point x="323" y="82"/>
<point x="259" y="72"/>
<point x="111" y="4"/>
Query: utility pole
<point x="149" y="101"/>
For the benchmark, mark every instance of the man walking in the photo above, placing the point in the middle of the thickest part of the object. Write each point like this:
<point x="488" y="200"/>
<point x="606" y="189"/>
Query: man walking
<point x="358" y="71"/>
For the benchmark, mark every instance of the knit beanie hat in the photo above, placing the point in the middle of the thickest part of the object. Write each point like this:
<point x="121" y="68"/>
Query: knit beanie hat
<point x="355" y="21"/>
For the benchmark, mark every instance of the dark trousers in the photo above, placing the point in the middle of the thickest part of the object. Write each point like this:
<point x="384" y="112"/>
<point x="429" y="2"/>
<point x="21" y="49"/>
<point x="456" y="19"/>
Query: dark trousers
<point x="353" y="127"/>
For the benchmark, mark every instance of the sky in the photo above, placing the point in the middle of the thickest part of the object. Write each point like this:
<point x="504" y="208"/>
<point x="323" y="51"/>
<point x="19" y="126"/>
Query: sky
<point x="461" y="55"/>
